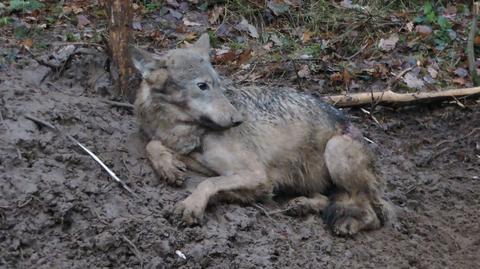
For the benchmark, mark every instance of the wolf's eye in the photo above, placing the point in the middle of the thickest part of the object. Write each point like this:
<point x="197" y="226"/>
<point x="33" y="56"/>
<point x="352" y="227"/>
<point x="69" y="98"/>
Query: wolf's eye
<point x="203" y="86"/>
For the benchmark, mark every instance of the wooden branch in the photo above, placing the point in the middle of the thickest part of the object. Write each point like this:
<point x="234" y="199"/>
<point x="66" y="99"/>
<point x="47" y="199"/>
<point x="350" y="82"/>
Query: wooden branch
<point x="472" y="65"/>
<point x="390" y="98"/>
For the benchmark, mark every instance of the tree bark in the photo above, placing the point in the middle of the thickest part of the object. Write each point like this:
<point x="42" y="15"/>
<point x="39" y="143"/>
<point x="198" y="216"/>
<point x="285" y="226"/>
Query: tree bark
<point x="389" y="98"/>
<point x="124" y="74"/>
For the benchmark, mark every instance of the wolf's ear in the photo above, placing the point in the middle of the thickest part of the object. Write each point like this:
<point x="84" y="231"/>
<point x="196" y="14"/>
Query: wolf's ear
<point x="146" y="62"/>
<point x="202" y="45"/>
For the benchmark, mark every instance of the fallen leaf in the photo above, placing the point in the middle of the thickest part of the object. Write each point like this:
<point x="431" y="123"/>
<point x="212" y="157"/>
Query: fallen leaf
<point x="27" y="43"/>
<point x="461" y="72"/>
<point x="268" y="46"/>
<point x="191" y="36"/>
<point x="215" y="14"/>
<point x="276" y="40"/>
<point x="136" y="25"/>
<point x="304" y="72"/>
<point x="247" y="27"/>
<point x="244" y="56"/>
<point x="412" y="81"/>
<point x="336" y="77"/>
<point x="433" y="73"/>
<point x="477" y="40"/>
<point x="410" y="26"/>
<point x="459" y="81"/>
<point x="82" y="21"/>
<point x="190" y="23"/>
<point x="306" y="36"/>
<point x="389" y="43"/>
<point x="173" y="3"/>
<point x="225" y="58"/>
<point x="423" y="29"/>
<point x="346" y="77"/>
<point x="278" y="7"/>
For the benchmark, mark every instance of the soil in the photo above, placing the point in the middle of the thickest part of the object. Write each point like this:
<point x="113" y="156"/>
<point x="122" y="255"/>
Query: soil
<point x="59" y="209"/>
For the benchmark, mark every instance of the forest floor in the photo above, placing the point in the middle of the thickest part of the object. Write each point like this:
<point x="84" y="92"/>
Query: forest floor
<point x="58" y="209"/>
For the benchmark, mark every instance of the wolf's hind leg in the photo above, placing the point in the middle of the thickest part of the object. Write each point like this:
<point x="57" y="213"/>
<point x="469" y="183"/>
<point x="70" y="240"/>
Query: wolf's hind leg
<point x="240" y="188"/>
<point x="357" y="204"/>
<point x="300" y="206"/>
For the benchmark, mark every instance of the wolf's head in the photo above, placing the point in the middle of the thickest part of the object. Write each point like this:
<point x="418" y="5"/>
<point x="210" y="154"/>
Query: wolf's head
<point x="186" y="79"/>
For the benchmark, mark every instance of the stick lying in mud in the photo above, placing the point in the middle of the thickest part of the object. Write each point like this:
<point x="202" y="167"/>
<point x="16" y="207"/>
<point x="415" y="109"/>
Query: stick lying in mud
<point x="75" y="141"/>
<point x="390" y="98"/>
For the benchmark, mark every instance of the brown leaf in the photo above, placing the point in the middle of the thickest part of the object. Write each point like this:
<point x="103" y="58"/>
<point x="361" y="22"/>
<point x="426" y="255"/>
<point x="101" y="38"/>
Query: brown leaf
<point x="477" y="40"/>
<point x="225" y="58"/>
<point x="423" y="30"/>
<point x="27" y="43"/>
<point x="191" y="36"/>
<point x="389" y="43"/>
<point x="82" y="21"/>
<point x="459" y="81"/>
<point x="304" y="72"/>
<point x="215" y="14"/>
<point x="244" y="56"/>
<point x="306" y="36"/>
<point x="336" y="77"/>
<point x="346" y="77"/>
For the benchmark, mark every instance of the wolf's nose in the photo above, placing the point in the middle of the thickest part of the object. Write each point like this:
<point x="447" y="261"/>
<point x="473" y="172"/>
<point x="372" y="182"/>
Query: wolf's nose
<point x="236" y="121"/>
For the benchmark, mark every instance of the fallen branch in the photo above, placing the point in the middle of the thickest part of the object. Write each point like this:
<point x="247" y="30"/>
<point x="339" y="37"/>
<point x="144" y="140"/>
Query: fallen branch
<point x="390" y="98"/>
<point x="75" y="141"/>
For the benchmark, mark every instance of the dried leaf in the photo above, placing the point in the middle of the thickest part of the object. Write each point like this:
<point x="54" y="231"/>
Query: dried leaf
<point x="191" y="36"/>
<point x="247" y="27"/>
<point x="225" y="58"/>
<point x="461" y="72"/>
<point x="336" y="77"/>
<point x="215" y="14"/>
<point x="389" y="43"/>
<point x="190" y="23"/>
<point x="433" y="73"/>
<point x="306" y="36"/>
<point x="477" y="40"/>
<point x="27" y="43"/>
<point x="459" y="81"/>
<point x="423" y="30"/>
<point x="412" y="81"/>
<point x="82" y="21"/>
<point x="276" y="40"/>
<point x="244" y="56"/>
<point x="304" y="72"/>
<point x="278" y="7"/>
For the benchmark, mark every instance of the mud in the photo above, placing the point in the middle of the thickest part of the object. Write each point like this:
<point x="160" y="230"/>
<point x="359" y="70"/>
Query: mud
<point x="58" y="209"/>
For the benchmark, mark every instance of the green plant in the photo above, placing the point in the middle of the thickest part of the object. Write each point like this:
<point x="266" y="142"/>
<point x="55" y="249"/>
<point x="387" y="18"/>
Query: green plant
<point x="24" y="5"/>
<point x="444" y="35"/>
<point x="5" y="21"/>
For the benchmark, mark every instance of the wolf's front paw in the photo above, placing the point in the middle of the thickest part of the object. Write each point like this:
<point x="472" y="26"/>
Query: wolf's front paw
<point x="170" y="169"/>
<point x="189" y="212"/>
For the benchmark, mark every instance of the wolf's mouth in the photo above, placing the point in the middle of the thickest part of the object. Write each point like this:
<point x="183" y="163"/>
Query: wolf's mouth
<point x="208" y="123"/>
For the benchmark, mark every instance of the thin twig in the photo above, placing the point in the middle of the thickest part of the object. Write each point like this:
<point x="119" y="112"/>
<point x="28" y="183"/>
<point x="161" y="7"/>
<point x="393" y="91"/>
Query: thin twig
<point x="119" y="104"/>
<point x="94" y="157"/>
<point x="135" y="249"/>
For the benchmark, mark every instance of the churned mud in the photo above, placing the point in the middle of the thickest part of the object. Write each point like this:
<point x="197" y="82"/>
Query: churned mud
<point x="58" y="209"/>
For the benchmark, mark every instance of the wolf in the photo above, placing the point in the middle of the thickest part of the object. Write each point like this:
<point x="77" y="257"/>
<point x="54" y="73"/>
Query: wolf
<point x="251" y="142"/>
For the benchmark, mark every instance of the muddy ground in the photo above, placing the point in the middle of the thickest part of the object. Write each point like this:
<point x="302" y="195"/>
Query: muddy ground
<point x="58" y="209"/>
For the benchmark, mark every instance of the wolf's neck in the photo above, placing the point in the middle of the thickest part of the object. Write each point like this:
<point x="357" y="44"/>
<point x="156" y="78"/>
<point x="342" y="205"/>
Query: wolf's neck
<point x="165" y="122"/>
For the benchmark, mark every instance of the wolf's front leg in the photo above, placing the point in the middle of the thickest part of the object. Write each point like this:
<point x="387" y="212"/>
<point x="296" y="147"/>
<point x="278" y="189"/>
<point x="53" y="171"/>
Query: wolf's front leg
<point x="165" y="163"/>
<point x="245" y="187"/>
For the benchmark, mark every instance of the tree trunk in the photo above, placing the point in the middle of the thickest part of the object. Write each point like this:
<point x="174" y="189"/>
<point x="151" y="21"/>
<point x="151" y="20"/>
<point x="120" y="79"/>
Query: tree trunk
<point x="124" y="74"/>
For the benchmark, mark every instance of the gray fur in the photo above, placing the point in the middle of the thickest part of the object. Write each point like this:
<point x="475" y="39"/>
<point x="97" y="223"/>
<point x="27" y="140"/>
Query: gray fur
<point x="288" y="141"/>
